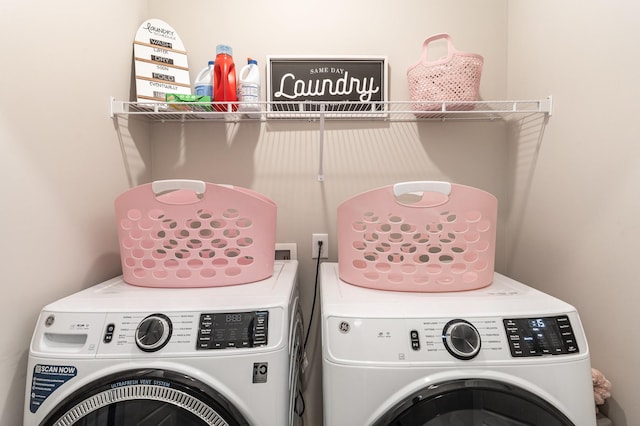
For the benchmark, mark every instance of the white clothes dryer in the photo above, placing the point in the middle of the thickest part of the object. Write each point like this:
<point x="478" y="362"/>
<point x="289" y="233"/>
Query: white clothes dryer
<point x="503" y="355"/>
<point x="117" y="354"/>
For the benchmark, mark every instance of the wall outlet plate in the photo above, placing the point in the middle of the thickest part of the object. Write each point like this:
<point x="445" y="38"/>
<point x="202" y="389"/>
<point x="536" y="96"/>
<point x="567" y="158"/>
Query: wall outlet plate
<point x="286" y="251"/>
<point x="315" y="239"/>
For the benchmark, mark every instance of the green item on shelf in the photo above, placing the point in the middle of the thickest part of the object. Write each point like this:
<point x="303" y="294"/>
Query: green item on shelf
<point x="191" y="102"/>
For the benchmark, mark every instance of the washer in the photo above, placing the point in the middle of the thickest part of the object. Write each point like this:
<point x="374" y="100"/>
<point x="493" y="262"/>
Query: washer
<point x="503" y="355"/>
<point x="116" y="354"/>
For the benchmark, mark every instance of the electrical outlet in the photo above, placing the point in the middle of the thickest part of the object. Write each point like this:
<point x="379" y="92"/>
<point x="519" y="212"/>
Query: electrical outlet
<point x="315" y="239"/>
<point x="286" y="251"/>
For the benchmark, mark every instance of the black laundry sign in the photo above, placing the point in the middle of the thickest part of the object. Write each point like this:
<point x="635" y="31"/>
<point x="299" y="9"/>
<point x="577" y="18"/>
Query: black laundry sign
<point x="335" y="81"/>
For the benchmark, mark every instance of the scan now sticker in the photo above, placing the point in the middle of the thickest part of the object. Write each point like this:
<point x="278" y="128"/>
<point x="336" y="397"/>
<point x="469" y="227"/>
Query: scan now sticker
<point x="46" y="379"/>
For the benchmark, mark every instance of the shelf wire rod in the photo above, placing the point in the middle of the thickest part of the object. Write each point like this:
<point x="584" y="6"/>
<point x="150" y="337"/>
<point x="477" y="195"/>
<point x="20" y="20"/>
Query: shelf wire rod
<point x="321" y="145"/>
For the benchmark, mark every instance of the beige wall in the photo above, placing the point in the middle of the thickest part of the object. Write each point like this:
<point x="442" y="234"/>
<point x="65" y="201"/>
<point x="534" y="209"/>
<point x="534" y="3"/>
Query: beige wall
<point x="577" y="229"/>
<point x="62" y="165"/>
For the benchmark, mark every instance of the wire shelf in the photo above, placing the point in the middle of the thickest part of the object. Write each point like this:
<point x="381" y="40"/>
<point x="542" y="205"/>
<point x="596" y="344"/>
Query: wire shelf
<point x="390" y="111"/>
<point x="312" y="110"/>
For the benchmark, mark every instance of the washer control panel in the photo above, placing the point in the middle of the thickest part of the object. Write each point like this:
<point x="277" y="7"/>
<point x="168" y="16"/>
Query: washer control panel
<point x="540" y="336"/>
<point x="158" y="334"/>
<point x="233" y="330"/>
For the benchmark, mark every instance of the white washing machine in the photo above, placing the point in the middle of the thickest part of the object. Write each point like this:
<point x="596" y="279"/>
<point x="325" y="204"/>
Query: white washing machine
<point x="504" y="355"/>
<point x="116" y="354"/>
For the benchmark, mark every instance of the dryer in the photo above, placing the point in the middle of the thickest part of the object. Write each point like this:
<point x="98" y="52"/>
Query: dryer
<point x="117" y="354"/>
<point x="503" y="355"/>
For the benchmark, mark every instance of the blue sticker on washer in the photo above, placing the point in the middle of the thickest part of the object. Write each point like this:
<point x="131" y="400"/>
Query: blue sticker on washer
<point x="46" y="379"/>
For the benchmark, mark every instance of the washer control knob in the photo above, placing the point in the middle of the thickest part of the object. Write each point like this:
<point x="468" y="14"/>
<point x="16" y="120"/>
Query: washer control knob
<point x="153" y="332"/>
<point x="461" y="339"/>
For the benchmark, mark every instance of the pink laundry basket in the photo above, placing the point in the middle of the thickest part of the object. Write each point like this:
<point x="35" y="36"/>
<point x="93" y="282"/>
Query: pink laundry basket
<point x="454" y="79"/>
<point x="185" y="233"/>
<point x="425" y="236"/>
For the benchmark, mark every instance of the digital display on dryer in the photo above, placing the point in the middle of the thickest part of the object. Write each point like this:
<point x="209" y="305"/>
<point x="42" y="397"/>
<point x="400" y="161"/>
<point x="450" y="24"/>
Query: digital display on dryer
<point x="540" y="336"/>
<point x="537" y="323"/>
<point x="227" y="330"/>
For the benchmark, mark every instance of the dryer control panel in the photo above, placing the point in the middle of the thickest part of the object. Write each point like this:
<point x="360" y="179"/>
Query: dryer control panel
<point x="540" y="336"/>
<point x="469" y="340"/>
<point x="222" y="330"/>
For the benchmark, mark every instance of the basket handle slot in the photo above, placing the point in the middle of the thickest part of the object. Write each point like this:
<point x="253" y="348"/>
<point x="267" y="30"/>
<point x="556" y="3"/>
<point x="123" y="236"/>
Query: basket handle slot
<point x="178" y="191"/>
<point x="160" y="186"/>
<point x="422" y="193"/>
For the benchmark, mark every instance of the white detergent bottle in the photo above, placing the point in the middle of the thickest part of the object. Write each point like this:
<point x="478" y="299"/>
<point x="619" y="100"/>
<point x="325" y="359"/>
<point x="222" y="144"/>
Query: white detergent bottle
<point x="203" y="85"/>
<point x="249" y="89"/>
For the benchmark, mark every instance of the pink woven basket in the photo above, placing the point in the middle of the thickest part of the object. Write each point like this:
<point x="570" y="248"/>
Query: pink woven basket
<point x="425" y="236"/>
<point x="454" y="79"/>
<point x="184" y="233"/>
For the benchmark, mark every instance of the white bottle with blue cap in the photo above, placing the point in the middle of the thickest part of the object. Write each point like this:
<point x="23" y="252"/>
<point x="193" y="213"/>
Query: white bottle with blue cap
<point x="249" y="89"/>
<point x="203" y="85"/>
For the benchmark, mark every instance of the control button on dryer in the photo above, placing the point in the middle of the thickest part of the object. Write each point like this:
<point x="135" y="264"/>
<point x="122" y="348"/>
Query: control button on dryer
<point x="461" y="339"/>
<point x="415" y="340"/>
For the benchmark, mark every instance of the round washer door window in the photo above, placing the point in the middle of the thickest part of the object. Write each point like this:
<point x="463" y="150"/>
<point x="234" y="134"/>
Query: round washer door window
<point x="473" y="402"/>
<point x="146" y="398"/>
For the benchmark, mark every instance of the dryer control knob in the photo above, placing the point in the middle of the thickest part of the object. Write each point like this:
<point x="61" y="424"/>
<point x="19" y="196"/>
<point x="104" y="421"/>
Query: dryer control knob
<point x="461" y="339"/>
<point x="153" y="332"/>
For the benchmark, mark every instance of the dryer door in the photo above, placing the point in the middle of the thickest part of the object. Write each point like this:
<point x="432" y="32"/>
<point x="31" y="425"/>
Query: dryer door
<point x="146" y="398"/>
<point x="473" y="402"/>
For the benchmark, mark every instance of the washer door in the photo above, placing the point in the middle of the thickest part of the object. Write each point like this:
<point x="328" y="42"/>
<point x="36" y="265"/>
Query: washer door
<point x="473" y="402"/>
<point x="145" y="398"/>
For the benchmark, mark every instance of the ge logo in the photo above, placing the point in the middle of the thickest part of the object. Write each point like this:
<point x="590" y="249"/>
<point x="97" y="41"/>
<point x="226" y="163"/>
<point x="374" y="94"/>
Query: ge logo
<point x="344" y="327"/>
<point x="49" y="321"/>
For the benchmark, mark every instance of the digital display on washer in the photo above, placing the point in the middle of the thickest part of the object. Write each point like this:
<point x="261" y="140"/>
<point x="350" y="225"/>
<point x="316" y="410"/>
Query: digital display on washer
<point x="540" y="336"/>
<point x="232" y="330"/>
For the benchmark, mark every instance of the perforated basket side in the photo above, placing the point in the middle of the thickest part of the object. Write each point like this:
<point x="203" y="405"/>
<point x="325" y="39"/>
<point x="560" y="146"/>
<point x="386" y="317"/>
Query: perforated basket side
<point x="453" y="78"/>
<point x="458" y="80"/>
<point x="389" y="246"/>
<point x="226" y="237"/>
